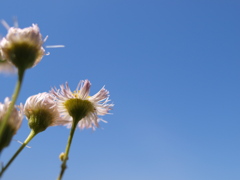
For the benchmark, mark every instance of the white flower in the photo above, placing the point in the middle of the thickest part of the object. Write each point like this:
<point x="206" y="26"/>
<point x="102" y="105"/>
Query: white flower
<point x="16" y="116"/>
<point x="13" y="123"/>
<point x="23" y="47"/>
<point x="79" y="106"/>
<point x="41" y="112"/>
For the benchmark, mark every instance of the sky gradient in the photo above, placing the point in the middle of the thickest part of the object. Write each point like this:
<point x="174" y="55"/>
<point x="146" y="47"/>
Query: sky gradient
<point x="172" y="69"/>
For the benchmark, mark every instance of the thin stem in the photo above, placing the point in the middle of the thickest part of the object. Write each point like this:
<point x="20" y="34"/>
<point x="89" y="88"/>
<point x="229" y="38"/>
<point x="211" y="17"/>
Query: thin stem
<point x="64" y="163"/>
<point x="13" y="101"/>
<point x="28" y="139"/>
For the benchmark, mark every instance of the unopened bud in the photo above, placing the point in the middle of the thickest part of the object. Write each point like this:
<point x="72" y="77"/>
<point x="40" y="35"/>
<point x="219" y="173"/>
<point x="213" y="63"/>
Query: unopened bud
<point x="62" y="156"/>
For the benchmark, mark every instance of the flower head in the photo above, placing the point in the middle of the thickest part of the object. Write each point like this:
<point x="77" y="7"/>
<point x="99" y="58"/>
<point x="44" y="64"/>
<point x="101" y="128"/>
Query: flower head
<point x="78" y="107"/>
<point x="23" y="47"/>
<point x="13" y="122"/>
<point x="41" y="112"/>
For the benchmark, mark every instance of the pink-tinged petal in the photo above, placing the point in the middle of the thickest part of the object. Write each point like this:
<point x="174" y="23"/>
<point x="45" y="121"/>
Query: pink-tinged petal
<point x="101" y="95"/>
<point x="84" y="90"/>
<point x="44" y="101"/>
<point x="99" y="102"/>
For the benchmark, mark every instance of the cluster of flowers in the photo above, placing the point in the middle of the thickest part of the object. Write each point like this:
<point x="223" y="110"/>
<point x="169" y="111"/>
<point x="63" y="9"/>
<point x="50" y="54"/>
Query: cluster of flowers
<point x="20" y="50"/>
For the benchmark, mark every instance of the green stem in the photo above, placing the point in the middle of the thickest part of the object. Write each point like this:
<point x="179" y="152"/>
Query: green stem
<point x="28" y="139"/>
<point x="13" y="101"/>
<point x="64" y="163"/>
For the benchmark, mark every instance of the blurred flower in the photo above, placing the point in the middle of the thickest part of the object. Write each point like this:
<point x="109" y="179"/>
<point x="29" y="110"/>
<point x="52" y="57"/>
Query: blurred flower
<point x="5" y="66"/>
<point x="41" y="112"/>
<point x="13" y="122"/>
<point x="23" y="47"/>
<point x="79" y="106"/>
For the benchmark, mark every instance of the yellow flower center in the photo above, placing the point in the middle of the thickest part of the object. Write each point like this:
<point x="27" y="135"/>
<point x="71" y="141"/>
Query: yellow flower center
<point x="75" y="94"/>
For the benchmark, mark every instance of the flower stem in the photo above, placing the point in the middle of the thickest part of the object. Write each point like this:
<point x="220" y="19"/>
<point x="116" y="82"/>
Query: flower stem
<point x="27" y="140"/>
<point x="13" y="101"/>
<point x="64" y="162"/>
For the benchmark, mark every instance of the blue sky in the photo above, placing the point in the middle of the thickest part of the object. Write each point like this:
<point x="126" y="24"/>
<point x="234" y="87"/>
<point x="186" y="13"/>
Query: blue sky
<point x="172" y="69"/>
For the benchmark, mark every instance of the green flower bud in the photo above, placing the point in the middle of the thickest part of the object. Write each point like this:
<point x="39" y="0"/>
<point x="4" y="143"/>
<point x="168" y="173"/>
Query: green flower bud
<point x="62" y="156"/>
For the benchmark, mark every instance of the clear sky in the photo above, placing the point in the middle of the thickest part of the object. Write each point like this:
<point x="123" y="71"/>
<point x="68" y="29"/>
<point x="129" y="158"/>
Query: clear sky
<point x="172" y="69"/>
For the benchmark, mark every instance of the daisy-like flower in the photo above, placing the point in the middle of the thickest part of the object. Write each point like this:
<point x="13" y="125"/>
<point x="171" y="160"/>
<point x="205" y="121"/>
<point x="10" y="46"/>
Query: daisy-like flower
<point x="13" y="122"/>
<point x="80" y="108"/>
<point x="23" y="47"/>
<point x="41" y="112"/>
